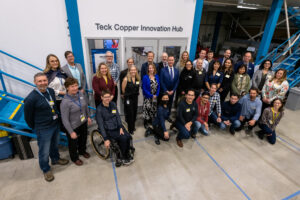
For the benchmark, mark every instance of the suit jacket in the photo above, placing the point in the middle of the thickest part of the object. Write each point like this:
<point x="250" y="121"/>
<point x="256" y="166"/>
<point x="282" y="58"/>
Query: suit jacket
<point x="167" y="84"/>
<point x="250" y="70"/>
<point x="144" y="69"/>
<point x="66" y="69"/>
<point x="160" y="66"/>
<point x="99" y="85"/>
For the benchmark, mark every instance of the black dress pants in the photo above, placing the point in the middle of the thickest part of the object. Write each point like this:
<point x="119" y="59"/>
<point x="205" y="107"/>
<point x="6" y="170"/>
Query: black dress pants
<point x="130" y="108"/>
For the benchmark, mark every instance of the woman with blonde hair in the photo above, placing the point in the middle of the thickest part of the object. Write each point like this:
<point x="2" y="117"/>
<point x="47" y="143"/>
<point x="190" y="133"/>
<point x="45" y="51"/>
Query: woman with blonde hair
<point x="130" y="89"/>
<point x="182" y="61"/>
<point x="56" y="77"/>
<point x="275" y="87"/>
<point x="102" y="81"/>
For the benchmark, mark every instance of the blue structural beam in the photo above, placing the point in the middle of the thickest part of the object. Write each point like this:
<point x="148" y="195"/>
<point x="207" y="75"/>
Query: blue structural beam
<point x="216" y="31"/>
<point x="269" y="29"/>
<point x="75" y="33"/>
<point x="196" y="27"/>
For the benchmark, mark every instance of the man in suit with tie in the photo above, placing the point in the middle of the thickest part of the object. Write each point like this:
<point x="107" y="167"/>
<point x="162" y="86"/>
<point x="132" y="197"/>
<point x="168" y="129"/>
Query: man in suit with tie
<point x="246" y="60"/>
<point x="169" y="79"/>
<point x="227" y="54"/>
<point x="164" y="61"/>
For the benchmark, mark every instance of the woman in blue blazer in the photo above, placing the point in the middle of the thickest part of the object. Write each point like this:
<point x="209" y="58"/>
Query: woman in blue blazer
<point x="151" y="87"/>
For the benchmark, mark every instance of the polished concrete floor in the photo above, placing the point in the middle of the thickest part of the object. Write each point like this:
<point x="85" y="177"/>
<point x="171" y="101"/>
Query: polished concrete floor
<point x="219" y="166"/>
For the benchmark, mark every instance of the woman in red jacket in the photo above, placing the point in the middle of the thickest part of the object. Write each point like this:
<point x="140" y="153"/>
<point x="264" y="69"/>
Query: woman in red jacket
<point x="203" y="111"/>
<point x="102" y="81"/>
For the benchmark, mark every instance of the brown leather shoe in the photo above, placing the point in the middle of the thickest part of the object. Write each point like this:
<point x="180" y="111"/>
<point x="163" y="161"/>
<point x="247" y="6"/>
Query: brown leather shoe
<point x="78" y="162"/>
<point x="86" y="155"/>
<point x="61" y="161"/>
<point x="48" y="176"/>
<point x="179" y="142"/>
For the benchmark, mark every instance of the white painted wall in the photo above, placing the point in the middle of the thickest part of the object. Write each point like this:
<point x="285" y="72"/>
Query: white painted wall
<point x="30" y="30"/>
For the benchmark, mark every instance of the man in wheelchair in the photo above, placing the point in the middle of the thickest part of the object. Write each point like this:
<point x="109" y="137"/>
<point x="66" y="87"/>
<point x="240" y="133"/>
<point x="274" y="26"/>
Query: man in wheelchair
<point x="111" y="128"/>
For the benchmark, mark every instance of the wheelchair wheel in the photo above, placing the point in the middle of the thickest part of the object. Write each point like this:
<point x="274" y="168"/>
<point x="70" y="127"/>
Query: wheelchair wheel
<point x="97" y="142"/>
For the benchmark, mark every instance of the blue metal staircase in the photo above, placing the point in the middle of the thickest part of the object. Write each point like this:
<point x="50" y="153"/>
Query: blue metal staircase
<point x="294" y="11"/>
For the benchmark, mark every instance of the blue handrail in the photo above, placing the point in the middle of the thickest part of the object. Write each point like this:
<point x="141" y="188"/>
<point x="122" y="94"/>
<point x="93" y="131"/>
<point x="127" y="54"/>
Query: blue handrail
<point x="11" y="130"/>
<point x="272" y="55"/>
<point x="16" y="78"/>
<point x="23" y="61"/>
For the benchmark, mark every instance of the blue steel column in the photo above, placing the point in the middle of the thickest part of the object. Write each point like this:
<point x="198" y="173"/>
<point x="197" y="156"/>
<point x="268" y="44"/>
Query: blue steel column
<point x="75" y="33"/>
<point x="269" y="29"/>
<point x="216" y="31"/>
<point x="196" y="27"/>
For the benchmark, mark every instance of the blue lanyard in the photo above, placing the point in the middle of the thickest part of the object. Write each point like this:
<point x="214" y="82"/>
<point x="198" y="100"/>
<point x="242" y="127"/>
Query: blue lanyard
<point x="78" y="104"/>
<point x="51" y="106"/>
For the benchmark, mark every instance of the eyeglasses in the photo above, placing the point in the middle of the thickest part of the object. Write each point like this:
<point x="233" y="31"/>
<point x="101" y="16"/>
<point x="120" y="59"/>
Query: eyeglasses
<point x="53" y="61"/>
<point x="106" y="97"/>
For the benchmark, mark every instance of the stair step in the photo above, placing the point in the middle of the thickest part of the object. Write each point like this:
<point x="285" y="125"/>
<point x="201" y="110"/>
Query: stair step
<point x="9" y="109"/>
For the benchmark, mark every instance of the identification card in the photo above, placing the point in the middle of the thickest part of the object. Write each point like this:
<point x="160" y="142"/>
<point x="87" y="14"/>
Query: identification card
<point x="114" y="111"/>
<point x="82" y="118"/>
<point x="53" y="111"/>
<point x="227" y="76"/>
<point x="253" y="108"/>
<point x="200" y="72"/>
<point x="217" y="74"/>
<point x="127" y="102"/>
<point x="188" y="110"/>
<point x="241" y="76"/>
<point x="81" y="97"/>
<point x="137" y="82"/>
<point x="51" y="103"/>
<point x="55" y="117"/>
<point x="270" y="121"/>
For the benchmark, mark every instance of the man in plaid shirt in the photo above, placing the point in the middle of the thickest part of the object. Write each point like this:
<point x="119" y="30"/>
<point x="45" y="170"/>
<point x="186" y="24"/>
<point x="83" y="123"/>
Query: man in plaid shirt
<point x="114" y="71"/>
<point x="215" y="105"/>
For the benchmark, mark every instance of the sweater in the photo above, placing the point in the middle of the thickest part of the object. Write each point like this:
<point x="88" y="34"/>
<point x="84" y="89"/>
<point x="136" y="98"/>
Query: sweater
<point x="186" y="80"/>
<point x="203" y="111"/>
<point x="267" y="117"/>
<point x="99" y="84"/>
<point x="230" y="111"/>
<point x="187" y="112"/>
<point x="239" y="86"/>
<point x="70" y="111"/>
<point x="37" y="111"/>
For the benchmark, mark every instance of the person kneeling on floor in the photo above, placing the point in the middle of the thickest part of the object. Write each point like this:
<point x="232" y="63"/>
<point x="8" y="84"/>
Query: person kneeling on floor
<point x="231" y="111"/>
<point x="203" y="112"/>
<point x="270" y="119"/>
<point x="163" y="114"/>
<point x="187" y="113"/>
<point x="110" y="126"/>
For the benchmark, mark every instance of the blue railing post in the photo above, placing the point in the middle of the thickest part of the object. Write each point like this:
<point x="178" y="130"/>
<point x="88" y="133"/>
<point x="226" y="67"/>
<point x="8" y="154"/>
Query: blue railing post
<point x="2" y="82"/>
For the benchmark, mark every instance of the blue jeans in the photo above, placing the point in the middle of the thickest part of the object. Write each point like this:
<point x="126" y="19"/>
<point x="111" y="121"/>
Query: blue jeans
<point x="48" y="146"/>
<point x="201" y="127"/>
<point x="266" y="130"/>
<point x="213" y="118"/>
<point x="234" y="125"/>
<point x="183" y="132"/>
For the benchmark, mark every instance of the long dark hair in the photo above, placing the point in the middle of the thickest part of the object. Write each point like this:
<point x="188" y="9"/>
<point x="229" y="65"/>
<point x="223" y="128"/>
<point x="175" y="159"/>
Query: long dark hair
<point x="211" y="69"/>
<point x="223" y="66"/>
<point x="261" y="67"/>
<point x="281" y="108"/>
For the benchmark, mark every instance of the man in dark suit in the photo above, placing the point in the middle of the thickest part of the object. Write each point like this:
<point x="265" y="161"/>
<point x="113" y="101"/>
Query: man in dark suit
<point x="144" y="68"/>
<point x="227" y="54"/>
<point x="74" y="70"/>
<point x="169" y="79"/>
<point x="246" y="60"/>
<point x="164" y="61"/>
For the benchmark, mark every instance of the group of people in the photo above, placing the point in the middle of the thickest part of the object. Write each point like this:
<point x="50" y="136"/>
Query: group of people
<point x="200" y="88"/>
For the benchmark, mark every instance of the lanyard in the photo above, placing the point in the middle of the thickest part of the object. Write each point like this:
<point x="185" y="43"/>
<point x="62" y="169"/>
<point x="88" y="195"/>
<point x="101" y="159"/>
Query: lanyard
<point x="275" y="116"/>
<point x="78" y="104"/>
<point x="51" y="102"/>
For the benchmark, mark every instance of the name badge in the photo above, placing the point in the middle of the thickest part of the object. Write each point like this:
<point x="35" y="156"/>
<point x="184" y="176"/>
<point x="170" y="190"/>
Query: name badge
<point x="270" y="121"/>
<point x="82" y="118"/>
<point x="217" y="74"/>
<point x="55" y="117"/>
<point x="269" y="76"/>
<point x="188" y="110"/>
<point x="215" y="101"/>
<point x="253" y="108"/>
<point x="241" y="76"/>
<point x="81" y="97"/>
<point x="127" y="102"/>
<point x="227" y="76"/>
<point x="137" y="82"/>
<point x="51" y="103"/>
<point x="114" y="111"/>
<point x="53" y="111"/>
<point x="200" y="72"/>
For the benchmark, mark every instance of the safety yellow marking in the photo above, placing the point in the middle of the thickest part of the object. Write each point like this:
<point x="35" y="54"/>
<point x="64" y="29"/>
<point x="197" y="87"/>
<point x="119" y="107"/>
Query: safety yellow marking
<point x="3" y="96"/>
<point x="15" y="112"/>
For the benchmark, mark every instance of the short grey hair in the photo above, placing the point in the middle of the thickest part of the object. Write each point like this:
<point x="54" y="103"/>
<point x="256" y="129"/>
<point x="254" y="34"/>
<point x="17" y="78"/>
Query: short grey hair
<point x="38" y="75"/>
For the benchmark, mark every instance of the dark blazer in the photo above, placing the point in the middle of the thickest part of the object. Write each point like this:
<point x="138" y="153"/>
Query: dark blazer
<point x="250" y="70"/>
<point x="144" y="69"/>
<point x="66" y="69"/>
<point x="146" y="86"/>
<point x="160" y="66"/>
<point x="165" y="80"/>
<point x="99" y="85"/>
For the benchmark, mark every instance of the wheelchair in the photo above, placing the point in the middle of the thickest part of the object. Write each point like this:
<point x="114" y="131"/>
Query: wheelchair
<point x="114" y="151"/>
